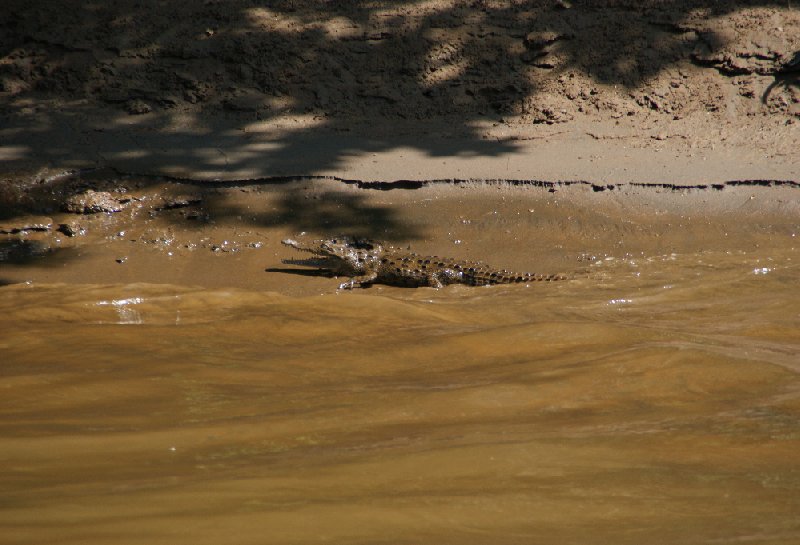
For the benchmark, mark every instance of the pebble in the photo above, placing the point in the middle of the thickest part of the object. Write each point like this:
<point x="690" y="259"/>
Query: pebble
<point x="71" y="229"/>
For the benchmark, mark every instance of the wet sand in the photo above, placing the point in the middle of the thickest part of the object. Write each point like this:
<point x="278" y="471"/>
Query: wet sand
<point x="228" y="234"/>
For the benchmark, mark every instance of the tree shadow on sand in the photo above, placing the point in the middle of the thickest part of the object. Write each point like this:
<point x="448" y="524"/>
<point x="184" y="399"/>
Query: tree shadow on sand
<point x="376" y="68"/>
<point x="787" y="77"/>
<point x="332" y="212"/>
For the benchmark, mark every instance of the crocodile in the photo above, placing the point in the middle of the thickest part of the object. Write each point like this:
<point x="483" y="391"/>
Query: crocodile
<point x="369" y="262"/>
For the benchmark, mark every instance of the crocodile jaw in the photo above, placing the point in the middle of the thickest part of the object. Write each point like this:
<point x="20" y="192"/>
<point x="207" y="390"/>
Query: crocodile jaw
<point x="302" y="246"/>
<point x="346" y="255"/>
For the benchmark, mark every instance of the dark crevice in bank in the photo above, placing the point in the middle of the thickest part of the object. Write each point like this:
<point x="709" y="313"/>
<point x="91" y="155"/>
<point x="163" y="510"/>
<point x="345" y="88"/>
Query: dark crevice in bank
<point x="382" y="185"/>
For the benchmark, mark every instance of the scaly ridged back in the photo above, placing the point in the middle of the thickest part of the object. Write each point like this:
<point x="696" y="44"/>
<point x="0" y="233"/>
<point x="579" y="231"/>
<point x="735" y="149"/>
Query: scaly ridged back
<point x="413" y="269"/>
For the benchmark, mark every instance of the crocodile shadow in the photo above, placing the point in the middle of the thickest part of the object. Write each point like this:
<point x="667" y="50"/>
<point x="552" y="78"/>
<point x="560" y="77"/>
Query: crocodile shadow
<point x="323" y="273"/>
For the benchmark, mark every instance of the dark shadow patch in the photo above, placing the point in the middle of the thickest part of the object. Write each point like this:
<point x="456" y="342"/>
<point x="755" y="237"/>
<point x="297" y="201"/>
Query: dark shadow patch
<point x="326" y="212"/>
<point x="786" y="77"/>
<point x="302" y="272"/>
<point x="28" y="252"/>
<point x="782" y="81"/>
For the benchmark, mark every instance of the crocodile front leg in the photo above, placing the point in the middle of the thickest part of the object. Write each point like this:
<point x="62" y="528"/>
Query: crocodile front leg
<point x="434" y="280"/>
<point x="439" y="279"/>
<point x="359" y="281"/>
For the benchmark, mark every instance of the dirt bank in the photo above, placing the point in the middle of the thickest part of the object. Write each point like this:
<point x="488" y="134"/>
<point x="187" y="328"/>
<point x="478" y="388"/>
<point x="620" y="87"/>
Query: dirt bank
<point x="604" y="91"/>
<point x="531" y="62"/>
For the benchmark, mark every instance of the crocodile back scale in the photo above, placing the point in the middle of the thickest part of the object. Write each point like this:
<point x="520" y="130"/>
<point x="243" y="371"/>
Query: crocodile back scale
<point x="368" y="262"/>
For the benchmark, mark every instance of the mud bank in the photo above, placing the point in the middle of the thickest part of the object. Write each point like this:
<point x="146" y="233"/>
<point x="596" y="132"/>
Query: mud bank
<point x="102" y="227"/>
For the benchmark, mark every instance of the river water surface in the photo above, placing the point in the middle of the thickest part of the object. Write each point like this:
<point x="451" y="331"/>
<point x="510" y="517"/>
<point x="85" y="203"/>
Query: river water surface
<point x="165" y="379"/>
<point x="651" y="401"/>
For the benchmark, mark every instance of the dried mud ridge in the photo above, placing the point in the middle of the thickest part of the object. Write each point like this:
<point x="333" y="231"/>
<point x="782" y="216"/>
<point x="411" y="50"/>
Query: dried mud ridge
<point x="108" y="190"/>
<point x="419" y="184"/>
<point x="553" y="186"/>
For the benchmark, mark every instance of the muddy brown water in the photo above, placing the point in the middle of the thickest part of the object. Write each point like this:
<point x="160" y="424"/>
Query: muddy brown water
<point x="196" y="395"/>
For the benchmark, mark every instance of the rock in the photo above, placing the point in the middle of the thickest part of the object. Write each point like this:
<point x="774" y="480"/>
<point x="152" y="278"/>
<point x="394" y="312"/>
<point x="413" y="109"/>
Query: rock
<point x="94" y="202"/>
<point x="540" y="40"/>
<point x="137" y="107"/>
<point x="13" y="85"/>
<point x="179" y="201"/>
<point x="71" y="229"/>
